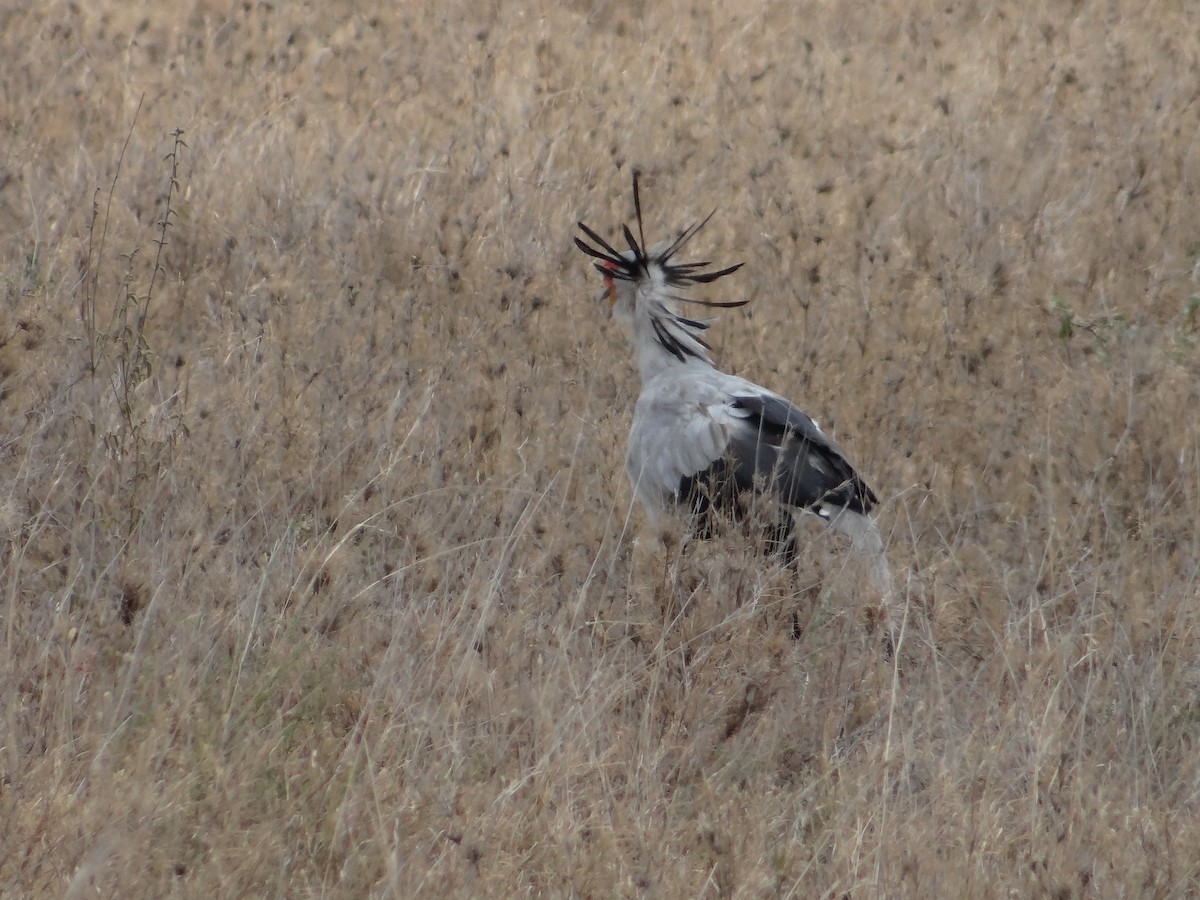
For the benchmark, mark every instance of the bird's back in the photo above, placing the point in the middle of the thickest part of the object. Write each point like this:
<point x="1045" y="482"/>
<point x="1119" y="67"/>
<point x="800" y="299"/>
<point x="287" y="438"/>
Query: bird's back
<point x="700" y="437"/>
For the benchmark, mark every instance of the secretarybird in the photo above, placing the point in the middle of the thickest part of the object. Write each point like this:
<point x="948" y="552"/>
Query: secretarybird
<point x="704" y="441"/>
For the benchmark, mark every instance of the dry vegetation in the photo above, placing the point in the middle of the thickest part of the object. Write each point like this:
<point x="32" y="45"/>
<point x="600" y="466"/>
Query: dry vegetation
<point x="320" y="572"/>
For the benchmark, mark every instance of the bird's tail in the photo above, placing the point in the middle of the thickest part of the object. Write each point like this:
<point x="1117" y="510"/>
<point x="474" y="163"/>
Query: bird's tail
<point x="865" y="537"/>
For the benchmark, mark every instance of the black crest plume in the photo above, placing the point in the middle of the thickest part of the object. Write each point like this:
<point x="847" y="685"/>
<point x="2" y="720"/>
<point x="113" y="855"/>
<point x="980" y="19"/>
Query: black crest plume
<point x="637" y="263"/>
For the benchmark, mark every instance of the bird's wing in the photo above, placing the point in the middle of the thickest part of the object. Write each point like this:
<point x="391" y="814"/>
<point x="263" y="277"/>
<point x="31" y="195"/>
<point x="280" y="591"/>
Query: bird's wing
<point x="678" y="430"/>
<point x="777" y="441"/>
<point x="723" y="434"/>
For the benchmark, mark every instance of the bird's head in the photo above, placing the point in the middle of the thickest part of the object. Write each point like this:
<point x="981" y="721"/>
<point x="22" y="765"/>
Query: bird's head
<point x="643" y="286"/>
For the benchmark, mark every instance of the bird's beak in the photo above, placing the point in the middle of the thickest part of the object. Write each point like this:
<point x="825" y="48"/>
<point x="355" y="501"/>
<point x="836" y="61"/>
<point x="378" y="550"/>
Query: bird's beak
<point x="607" y="299"/>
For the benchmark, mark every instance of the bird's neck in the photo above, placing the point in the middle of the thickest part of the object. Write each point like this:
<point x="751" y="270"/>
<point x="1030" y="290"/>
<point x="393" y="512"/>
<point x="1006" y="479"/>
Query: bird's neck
<point x="654" y="359"/>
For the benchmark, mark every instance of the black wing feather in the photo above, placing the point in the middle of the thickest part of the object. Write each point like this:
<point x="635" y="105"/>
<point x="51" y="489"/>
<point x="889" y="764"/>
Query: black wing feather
<point x="780" y="451"/>
<point x="800" y="464"/>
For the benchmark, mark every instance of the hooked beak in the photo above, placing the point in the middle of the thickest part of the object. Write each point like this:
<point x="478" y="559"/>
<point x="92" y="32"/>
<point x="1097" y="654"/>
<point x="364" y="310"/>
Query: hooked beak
<point x="607" y="298"/>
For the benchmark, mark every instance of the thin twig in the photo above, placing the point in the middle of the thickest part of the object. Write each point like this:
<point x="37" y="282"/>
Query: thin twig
<point x="91" y="281"/>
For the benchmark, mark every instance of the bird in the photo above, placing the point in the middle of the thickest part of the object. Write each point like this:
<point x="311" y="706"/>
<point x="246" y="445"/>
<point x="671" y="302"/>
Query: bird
<point x="709" y="444"/>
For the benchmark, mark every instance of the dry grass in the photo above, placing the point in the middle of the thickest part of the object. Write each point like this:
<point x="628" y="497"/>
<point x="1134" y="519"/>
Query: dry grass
<point x="319" y="566"/>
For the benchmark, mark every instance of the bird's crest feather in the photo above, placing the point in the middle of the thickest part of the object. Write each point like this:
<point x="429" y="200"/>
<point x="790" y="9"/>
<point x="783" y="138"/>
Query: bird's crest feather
<point x="640" y="263"/>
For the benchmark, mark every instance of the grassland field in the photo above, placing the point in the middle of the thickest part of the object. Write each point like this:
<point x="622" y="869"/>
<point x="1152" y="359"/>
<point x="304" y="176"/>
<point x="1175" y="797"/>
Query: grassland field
<point x="320" y="572"/>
